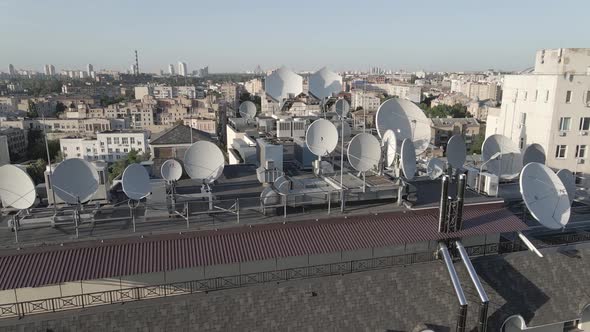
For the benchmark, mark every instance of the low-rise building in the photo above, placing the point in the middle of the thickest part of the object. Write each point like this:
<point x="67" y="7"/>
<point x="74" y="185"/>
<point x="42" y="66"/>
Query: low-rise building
<point x="443" y="128"/>
<point x="4" y="151"/>
<point x="16" y="141"/>
<point x="364" y="100"/>
<point x="109" y="146"/>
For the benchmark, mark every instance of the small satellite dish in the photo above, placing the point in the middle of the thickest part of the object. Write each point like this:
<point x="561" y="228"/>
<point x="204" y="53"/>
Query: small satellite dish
<point x="247" y="110"/>
<point x="408" y="157"/>
<point x="342" y="107"/>
<point x="389" y="141"/>
<point x="282" y="185"/>
<point x="456" y="151"/>
<point x="534" y="153"/>
<point x="136" y="182"/>
<point x="406" y="120"/>
<point x="324" y="83"/>
<point x="435" y="168"/>
<point x="269" y="197"/>
<point x="569" y="181"/>
<point x="321" y="137"/>
<point x="204" y="161"/>
<point x="508" y="163"/>
<point x="171" y="170"/>
<point x="545" y="196"/>
<point x="283" y="82"/>
<point x="75" y="181"/>
<point x="16" y="188"/>
<point x="364" y="152"/>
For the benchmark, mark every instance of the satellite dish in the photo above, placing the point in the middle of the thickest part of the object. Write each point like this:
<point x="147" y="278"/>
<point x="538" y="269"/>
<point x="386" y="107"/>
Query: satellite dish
<point x="171" y="170"/>
<point x="282" y="185"/>
<point x="204" y="161"/>
<point x="283" y="82"/>
<point x="569" y="181"/>
<point x="408" y="156"/>
<point x="324" y="83"/>
<point x="136" y="182"/>
<point x="247" y="110"/>
<point x="269" y="197"/>
<point x="342" y="107"/>
<point x="508" y="163"/>
<point x="435" y="168"/>
<point x="321" y="137"/>
<point x="75" y="181"/>
<point x="534" y="153"/>
<point x="545" y="196"/>
<point x="456" y="151"/>
<point x="406" y="120"/>
<point x="16" y="188"/>
<point x="389" y="141"/>
<point x="364" y="152"/>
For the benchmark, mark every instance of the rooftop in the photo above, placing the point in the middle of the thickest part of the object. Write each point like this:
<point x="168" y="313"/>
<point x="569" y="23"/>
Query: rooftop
<point x="179" y="134"/>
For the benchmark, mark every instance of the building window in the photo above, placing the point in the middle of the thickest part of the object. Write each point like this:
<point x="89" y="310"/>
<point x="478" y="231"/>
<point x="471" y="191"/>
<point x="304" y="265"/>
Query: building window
<point x="132" y="140"/>
<point x="65" y="148"/>
<point x="526" y="93"/>
<point x="101" y="143"/>
<point x="584" y="124"/>
<point x="547" y="96"/>
<point x="77" y="148"/>
<point x="108" y="140"/>
<point x="118" y="157"/>
<point x="116" y="140"/>
<point x="117" y="150"/>
<point x="125" y="150"/>
<point x="581" y="151"/>
<point x="125" y="141"/>
<point x="561" y="152"/>
<point x="568" y="96"/>
<point x="110" y="150"/>
<point x="587" y="99"/>
<point x="565" y="123"/>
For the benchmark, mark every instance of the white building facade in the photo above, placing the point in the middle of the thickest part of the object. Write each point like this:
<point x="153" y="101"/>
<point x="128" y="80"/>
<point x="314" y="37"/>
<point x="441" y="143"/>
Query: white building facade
<point x="108" y="146"/>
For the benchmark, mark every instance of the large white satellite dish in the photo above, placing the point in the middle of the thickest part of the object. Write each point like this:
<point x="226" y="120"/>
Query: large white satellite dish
<point x="324" y="83"/>
<point x="136" y="182"/>
<point x="204" y="161"/>
<point x="389" y="141"/>
<point x="545" y="196"/>
<point x="283" y="82"/>
<point x="171" y="170"/>
<point x="456" y="151"/>
<point x="16" y="188"/>
<point x="406" y="120"/>
<point x="364" y="152"/>
<point x="569" y="181"/>
<point x="508" y="163"/>
<point x="342" y="107"/>
<point x="408" y="156"/>
<point x="435" y="168"/>
<point x="321" y="137"/>
<point x="247" y="110"/>
<point x="75" y="181"/>
<point x="533" y="153"/>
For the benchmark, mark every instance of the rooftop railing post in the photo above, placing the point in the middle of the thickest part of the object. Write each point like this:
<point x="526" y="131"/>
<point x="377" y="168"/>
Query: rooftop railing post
<point x="238" y="209"/>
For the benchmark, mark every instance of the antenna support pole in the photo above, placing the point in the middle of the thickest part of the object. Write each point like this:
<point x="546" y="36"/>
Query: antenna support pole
<point x="462" y="315"/>
<point x="529" y="244"/>
<point x="460" y="201"/>
<point x="483" y="296"/>
<point x="442" y="216"/>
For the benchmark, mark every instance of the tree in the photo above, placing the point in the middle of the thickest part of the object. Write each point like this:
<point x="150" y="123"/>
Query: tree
<point x="132" y="157"/>
<point x="475" y="146"/>
<point x="32" y="110"/>
<point x="36" y="146"/>
<point x="36" y="170"/>
<point x="60" y="107"/>
<point x="443" y="111"/>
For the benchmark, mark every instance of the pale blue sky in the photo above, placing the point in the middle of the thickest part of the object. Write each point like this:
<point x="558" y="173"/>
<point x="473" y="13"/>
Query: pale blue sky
<point x="305" y="34"/>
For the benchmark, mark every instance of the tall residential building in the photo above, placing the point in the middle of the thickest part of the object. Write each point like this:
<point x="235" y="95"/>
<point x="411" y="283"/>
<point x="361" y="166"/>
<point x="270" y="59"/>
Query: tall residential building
<point x="171" y="69"/>
<point x="89" y="69"/>
<point x="11" y="69"/>
<point x="46" y="70"/>
<point x="182" y="69"/>
<point x="550" y="107"/>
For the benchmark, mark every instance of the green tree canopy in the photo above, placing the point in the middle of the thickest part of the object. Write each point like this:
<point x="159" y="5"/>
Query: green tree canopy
<point x="132" y="157"/>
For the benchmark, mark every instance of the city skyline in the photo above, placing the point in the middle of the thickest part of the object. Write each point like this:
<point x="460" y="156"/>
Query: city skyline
<point x="233" y="37"/>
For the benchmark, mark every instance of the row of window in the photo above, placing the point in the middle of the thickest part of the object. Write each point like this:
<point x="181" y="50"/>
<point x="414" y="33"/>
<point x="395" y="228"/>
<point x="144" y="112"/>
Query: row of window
<point x="561" y="151"/>
<point x="566" y="122"/>
<point x="123" y="140"/>
<point x="568" y="96"/>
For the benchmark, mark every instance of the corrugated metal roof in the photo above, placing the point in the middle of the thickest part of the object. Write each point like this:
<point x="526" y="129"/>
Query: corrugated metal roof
<point x="95" y="260"/>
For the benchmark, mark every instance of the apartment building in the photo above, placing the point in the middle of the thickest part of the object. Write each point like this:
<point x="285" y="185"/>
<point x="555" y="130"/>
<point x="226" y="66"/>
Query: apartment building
<point x="108" y="146"/>
<point x="16" y="141"/>
<point x="367" y="101"/>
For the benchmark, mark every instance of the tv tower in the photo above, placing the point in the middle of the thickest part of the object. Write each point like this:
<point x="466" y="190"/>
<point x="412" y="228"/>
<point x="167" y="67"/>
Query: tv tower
<point x="136" y="64"/>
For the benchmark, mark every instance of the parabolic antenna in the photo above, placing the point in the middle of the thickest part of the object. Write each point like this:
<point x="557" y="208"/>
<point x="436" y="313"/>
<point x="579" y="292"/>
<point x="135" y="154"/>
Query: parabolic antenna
<point x="171" y="170"/>
<point x="408" y="156"/>
<point x="247" y="110"/>
<point x="389" y="141"/>
<point x="508" y="161"/>
<point x="435" y="168"/>
<point x="75" y="181"/>
<point x="323" y="83"/>
<point x="545" y="196"/>
<point x="136" y="182"/>
<point x="406" y="120"/>
<point x="204" y="161"/>
<point x="569" y="181"/>
<point x="456" y="151"/>
<point x="364" y="152"/>
<point x="534" y="153"/>
<point x="16" y="188"/>
<point x="342" y="107"/>
<point x="283" y="82"/>
<point x="321" y="137"/>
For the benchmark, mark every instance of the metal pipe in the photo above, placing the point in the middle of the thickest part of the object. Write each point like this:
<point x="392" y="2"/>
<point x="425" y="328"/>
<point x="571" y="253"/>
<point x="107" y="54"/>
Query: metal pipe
<point x="483" y="296"/>
<point x="462" y="316"/>
<point x="460" y="201"/>
<point x="442" y="213"/>
<point x="529" y="244"/>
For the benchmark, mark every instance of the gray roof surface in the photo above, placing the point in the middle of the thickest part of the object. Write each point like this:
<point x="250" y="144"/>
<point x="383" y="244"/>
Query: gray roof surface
<point x="179" y="134"/>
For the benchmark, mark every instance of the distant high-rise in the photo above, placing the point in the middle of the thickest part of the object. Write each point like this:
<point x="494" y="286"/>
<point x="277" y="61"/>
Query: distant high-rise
<point x="89" y="69"/>
<point x="11" y="69"/>
<point x="51" y="70"/>
<point x="46" y="70"/>
<point x="182" y="69"/>
<point x="171" y="69"/>
<point x="133" y="69"/>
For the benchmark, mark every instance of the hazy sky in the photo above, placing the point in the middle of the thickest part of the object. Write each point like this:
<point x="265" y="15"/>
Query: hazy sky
<point x="304" y="34"/>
